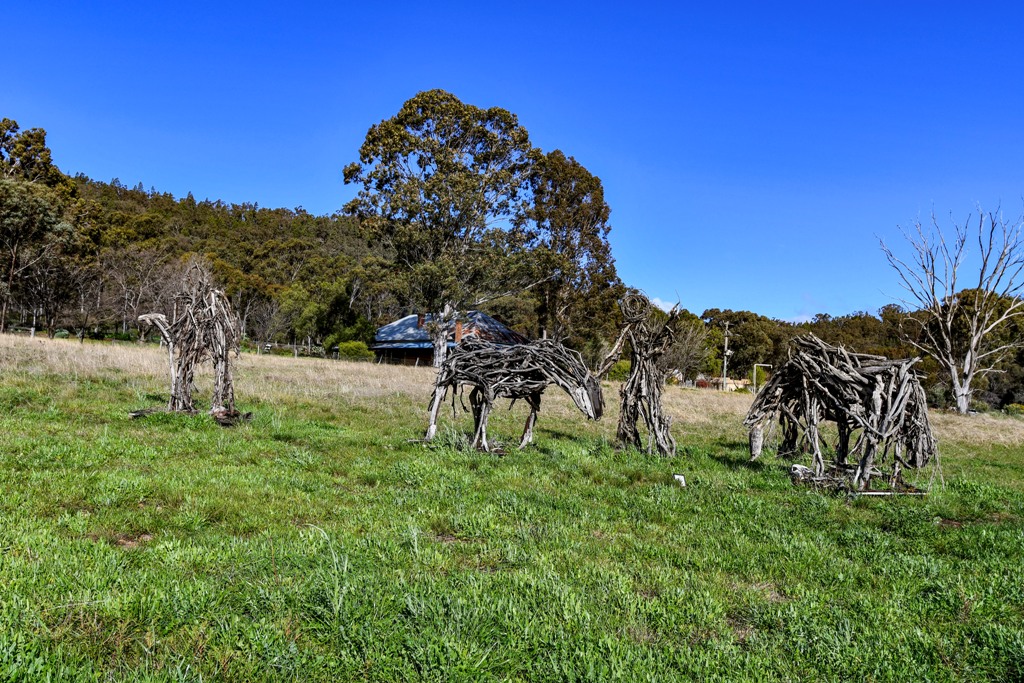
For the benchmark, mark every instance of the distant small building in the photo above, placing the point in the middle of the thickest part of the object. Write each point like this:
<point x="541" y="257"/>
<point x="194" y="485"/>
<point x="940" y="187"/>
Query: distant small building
<point x="407" y="341"/>
<point x="705" y="382"/>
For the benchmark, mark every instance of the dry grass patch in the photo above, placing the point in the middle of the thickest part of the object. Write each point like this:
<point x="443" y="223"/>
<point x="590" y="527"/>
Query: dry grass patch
<point x="985" y="429"/>
<point x="73" y="359"/>
<point x="259" y="377"/>
<point x="269" y="379"/>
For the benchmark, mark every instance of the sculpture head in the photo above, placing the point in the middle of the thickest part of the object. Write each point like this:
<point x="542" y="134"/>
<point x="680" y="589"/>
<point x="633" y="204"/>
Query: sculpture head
<point x="589" y="398"/>
<point x="565" y="367"/>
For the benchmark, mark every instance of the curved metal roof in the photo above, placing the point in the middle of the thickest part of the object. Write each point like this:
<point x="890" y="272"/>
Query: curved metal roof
<point x="405" y="333"/>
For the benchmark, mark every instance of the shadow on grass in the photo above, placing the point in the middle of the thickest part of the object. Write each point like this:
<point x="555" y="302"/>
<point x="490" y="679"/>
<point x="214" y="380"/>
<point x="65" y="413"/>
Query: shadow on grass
<point x="736" y="456"/>
<point x="556" y="434"/>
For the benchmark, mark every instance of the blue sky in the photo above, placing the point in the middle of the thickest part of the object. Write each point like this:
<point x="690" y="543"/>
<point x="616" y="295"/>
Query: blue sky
<point x="751" y="155"/>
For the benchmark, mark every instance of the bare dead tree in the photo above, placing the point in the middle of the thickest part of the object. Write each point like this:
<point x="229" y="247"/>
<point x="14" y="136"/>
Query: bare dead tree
<point x="203" y="326"/>
<point x="518" y="372"/>
<point x="881" y="399"/>
<point x="266" y="320"/>
<point x="640" y="394"/>
<point x="133" y="275"/>
<point x="90" y="309"/>
<point x="688" y="350"/>
<point x="960" y="327"/>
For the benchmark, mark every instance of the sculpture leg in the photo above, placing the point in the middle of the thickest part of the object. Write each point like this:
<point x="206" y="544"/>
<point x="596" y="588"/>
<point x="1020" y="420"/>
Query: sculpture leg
<point x="534" y="401"/>
<point x="481" y="408"/>
<point x="756" y="441"/>
<point x="813" y="437"/>
<point x="435" y="408"/>
<point x="843" y="446"/>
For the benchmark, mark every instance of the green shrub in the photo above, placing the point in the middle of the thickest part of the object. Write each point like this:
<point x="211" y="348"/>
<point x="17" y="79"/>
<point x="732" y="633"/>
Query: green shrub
<point x="619" y="371"/>
<point x="980" y="406"/>
<point x="61" y="334"/>
<point x="1016" y="409"/>
<point x="354" y="350"/>
<point x="938" y="396"/>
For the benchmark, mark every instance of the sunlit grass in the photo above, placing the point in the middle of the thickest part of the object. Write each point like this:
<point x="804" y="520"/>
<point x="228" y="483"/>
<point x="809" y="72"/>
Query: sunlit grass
<point x="322" y="542"/>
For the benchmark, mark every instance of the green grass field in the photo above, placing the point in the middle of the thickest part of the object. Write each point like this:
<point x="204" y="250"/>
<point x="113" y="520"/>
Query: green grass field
<point x="317" y="543"/>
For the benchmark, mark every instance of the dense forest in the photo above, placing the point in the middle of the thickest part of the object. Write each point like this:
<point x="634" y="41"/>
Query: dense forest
<point x="85" y="258"/>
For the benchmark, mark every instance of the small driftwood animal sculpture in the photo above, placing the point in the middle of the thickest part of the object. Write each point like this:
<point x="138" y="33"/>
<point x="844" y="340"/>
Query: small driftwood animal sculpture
<point x="648" y="338"/>
<point x="203" y="326"/>
<point x="518" y="372"/>
<point x="880" y="397"/>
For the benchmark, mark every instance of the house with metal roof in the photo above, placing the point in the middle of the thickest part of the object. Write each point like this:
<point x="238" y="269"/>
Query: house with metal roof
<point x="407" y="341"/>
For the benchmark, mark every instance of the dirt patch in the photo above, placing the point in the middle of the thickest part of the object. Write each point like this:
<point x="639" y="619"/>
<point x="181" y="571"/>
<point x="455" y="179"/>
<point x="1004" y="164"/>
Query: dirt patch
<point x="1002" y="517"/>
<point x="449" y="538"/>
<point x="642" y="634"/>
<point x="741" y="630"/>
<point x="127" y="541"/>
<point x="767" y="590"/>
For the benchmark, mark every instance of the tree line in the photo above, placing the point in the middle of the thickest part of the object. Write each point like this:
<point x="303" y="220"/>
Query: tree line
<point x="87" y="257"/>
<point x="455" y="210"/>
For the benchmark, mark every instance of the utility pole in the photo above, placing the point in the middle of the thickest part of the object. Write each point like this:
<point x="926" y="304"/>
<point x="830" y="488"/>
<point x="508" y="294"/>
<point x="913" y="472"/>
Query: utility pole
<point x="756" y="366"/>
<point x="725" y="360"/>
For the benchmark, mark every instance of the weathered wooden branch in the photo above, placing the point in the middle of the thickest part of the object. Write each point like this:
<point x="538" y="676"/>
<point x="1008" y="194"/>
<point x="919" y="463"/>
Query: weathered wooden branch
<point x="879" y="399"/>
<point x="517" y="372"/>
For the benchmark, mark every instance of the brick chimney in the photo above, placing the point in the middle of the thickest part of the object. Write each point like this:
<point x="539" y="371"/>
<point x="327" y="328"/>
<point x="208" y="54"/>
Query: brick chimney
<point x="419" y="319"/>
<point x="458" y="331"/>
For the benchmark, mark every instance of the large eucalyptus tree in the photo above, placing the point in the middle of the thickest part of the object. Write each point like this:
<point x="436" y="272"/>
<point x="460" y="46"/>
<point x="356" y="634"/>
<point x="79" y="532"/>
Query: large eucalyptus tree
<point x="578" y="282"/>
<point x="444" y="184"/>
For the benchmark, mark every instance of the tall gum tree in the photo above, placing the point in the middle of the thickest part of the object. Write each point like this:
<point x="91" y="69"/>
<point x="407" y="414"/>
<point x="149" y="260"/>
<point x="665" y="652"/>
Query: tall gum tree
<point x="28" y="216"/>
<point x="25" y="156"/>
<point x="577" y="272"/>
<point x="964" y="328"/>
<point x="443" y="185"/>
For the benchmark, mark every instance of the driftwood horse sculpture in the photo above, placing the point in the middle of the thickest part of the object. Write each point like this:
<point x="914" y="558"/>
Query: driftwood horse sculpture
<point x="881" y="398"/>
<point x="516" y="372"/>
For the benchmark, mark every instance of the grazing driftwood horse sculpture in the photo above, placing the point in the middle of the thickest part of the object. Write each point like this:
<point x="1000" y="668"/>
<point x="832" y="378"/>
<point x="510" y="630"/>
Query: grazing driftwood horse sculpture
<point x="516" y="372"/>
<point x="880" y="397"/>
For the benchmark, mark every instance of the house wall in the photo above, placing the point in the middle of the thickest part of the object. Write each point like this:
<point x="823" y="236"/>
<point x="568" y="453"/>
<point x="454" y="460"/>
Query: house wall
<point x="405" y="356"/>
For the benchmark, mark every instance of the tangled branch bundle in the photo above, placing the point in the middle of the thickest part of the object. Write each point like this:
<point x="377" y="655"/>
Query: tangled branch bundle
<point x="641" y="393"/>
<point x="203" y="326"/>
<point x="517" y="372"/>
<point x="881" y="398"/>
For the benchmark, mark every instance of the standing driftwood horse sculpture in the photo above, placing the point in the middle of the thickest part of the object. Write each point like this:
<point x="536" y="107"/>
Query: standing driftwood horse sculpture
<point x="516" y="372"/>
<point x="881" y="398"/>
